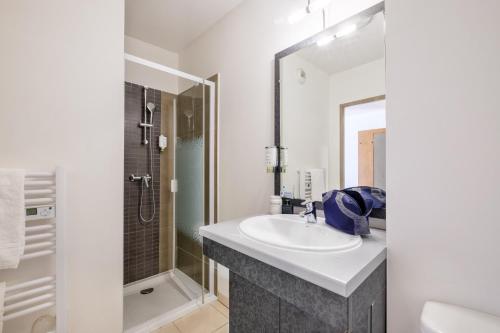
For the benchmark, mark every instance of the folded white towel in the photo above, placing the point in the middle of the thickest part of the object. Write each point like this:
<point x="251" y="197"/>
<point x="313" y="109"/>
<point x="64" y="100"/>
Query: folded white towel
<point x="2" y="301"/>
<point x="12" y="217"/>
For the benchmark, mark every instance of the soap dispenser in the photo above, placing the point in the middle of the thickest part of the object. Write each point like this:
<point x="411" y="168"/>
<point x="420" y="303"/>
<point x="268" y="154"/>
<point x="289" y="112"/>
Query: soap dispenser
<point x="287" y="206"/>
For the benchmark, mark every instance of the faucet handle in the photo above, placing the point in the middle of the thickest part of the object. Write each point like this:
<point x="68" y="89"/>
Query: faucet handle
<point x="310" y="212"/>
<point x="309" y="205"/>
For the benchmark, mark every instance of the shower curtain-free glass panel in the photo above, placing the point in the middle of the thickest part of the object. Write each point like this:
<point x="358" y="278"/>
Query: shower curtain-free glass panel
<point x="190" y="169"/>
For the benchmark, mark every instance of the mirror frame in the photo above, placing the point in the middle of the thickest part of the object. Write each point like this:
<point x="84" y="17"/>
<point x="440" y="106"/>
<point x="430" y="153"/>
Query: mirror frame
<point x="375" y="9"/>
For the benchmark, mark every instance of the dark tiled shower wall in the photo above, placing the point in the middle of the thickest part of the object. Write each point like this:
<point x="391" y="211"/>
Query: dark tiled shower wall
<point x="141" y="241"/>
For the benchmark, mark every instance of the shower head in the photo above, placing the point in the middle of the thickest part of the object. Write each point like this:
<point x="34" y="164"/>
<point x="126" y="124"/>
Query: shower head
<point x="151" y="107"/>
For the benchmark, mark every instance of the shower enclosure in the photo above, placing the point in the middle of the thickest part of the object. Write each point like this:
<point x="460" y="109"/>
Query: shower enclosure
<point x="169" y="193"/>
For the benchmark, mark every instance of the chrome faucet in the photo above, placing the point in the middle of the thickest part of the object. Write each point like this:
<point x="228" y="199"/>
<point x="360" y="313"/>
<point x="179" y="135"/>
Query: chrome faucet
<point x="145" y="179"/>
<point x="310" y="213"/>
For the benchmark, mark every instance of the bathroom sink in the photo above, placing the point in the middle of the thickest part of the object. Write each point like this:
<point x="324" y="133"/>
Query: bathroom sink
<point x="292" y="232"/>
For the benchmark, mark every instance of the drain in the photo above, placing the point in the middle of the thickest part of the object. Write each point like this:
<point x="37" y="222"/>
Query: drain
<point x="147" y="291"/>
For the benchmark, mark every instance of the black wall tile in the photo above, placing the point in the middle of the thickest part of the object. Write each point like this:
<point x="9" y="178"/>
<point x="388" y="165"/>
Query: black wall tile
<point x="141" y="241"/>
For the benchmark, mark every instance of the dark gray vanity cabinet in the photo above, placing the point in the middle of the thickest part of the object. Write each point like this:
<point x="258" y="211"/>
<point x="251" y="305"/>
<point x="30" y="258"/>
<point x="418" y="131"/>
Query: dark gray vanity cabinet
<point x="264" y="298"/>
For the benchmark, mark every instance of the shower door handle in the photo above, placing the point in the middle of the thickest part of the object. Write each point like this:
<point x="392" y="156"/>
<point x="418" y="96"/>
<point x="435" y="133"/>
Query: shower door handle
<point x="173" y="186"/>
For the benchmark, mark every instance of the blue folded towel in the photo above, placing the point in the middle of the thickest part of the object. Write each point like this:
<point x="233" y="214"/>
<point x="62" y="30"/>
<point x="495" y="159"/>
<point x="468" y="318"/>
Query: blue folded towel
<point x="377" y="195"/>
<point x="348" y="210"/>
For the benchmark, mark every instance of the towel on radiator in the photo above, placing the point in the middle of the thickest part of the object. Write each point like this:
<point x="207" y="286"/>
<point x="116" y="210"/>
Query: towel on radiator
<point x="12" y="217"/>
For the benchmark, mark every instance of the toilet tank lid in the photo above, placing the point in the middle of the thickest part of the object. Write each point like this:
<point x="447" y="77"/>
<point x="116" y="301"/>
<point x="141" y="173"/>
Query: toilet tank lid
<point x="446" y="318"/>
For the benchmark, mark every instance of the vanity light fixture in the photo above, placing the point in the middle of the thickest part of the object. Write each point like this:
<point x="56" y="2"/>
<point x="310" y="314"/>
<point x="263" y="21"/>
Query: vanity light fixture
<point x="310" y="8"/>
<point x="325" y="40"/>
<point x="349" y="29"/>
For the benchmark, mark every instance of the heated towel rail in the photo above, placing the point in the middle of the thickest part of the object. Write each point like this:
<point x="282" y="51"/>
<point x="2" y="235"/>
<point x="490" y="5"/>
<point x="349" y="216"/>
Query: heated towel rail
<point x="44" y="237"/>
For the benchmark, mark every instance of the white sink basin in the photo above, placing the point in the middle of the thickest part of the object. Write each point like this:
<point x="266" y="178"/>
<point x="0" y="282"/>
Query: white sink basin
<point x="292" y="232"/>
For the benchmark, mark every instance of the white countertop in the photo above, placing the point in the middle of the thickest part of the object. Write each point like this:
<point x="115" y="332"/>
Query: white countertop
<point x="340" y="272"/>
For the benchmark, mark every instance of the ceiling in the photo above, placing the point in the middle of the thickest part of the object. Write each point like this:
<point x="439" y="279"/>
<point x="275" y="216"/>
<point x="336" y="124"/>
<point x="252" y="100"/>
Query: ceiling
<point x="173" y="24"/>
<point x="363" y="46"/>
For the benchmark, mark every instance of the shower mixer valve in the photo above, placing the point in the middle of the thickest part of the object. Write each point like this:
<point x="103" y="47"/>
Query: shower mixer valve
<point x="146" y="179"/>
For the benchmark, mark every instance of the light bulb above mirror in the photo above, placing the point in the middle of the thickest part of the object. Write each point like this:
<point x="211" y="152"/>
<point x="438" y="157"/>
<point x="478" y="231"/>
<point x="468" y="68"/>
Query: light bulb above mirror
<point x="347" y="30"/>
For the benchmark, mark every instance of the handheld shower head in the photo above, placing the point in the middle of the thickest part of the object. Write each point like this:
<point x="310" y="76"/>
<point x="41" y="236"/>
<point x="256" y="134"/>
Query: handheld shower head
<point x="151" y="107"/>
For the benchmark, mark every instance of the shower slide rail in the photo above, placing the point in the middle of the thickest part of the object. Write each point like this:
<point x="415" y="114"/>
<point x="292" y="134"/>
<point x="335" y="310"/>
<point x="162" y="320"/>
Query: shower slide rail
<point x="44" y="237"/>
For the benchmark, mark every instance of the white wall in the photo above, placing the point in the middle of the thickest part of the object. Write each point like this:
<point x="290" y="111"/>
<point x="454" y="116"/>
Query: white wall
<point x="358" y="118"/>
<point x="146" y="76"/>
<point x="304" y="113"/>
<point x="443" y="159"/>
<point x="241" y="47"/>
<point x="358" y="83"/>
<point x="223" y="281"/>
<point x="61" y="103"/>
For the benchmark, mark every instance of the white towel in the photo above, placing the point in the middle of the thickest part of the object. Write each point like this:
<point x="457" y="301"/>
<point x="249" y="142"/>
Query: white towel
<point x="12" y="217"/>
<point x="2" y="301"/>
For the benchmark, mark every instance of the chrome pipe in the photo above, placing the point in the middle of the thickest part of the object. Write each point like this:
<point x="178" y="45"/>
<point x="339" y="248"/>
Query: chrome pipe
<point x="144" y="130"/>
<point x="134" y="178"/>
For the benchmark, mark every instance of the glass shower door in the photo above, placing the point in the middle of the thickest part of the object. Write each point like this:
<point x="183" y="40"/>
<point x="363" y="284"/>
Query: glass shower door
<point x="191" y="167"/>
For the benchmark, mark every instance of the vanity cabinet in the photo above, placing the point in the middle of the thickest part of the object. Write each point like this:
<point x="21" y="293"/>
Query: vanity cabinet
<point x="264" y="298"/>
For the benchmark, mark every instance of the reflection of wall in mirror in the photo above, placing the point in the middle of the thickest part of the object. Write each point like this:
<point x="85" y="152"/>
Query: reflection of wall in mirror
<point x="365" y="81"/>
<point x="371" y="158"/>
<point x="304" y="111"/>
<point x="358" y="119"/>
<point x="379" y="164"/>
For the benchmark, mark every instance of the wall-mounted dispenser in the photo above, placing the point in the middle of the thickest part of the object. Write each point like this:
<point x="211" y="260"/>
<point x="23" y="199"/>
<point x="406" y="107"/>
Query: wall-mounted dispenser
<point x="271" y="158"/>
<point x="283" y="158"/>
<point x="162" y="142"/>
<point x="276" y="159"/>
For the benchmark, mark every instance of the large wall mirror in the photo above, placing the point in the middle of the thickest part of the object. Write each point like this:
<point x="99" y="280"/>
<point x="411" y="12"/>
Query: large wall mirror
<point x="330" y="108"/>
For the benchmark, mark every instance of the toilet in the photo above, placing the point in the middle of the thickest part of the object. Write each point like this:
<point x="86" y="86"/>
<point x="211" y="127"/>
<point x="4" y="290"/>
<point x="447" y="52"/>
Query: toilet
<point x="446" y="318"/>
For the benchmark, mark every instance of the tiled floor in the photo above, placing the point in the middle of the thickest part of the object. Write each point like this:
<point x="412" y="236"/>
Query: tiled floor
<point x="210" y="318"/>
